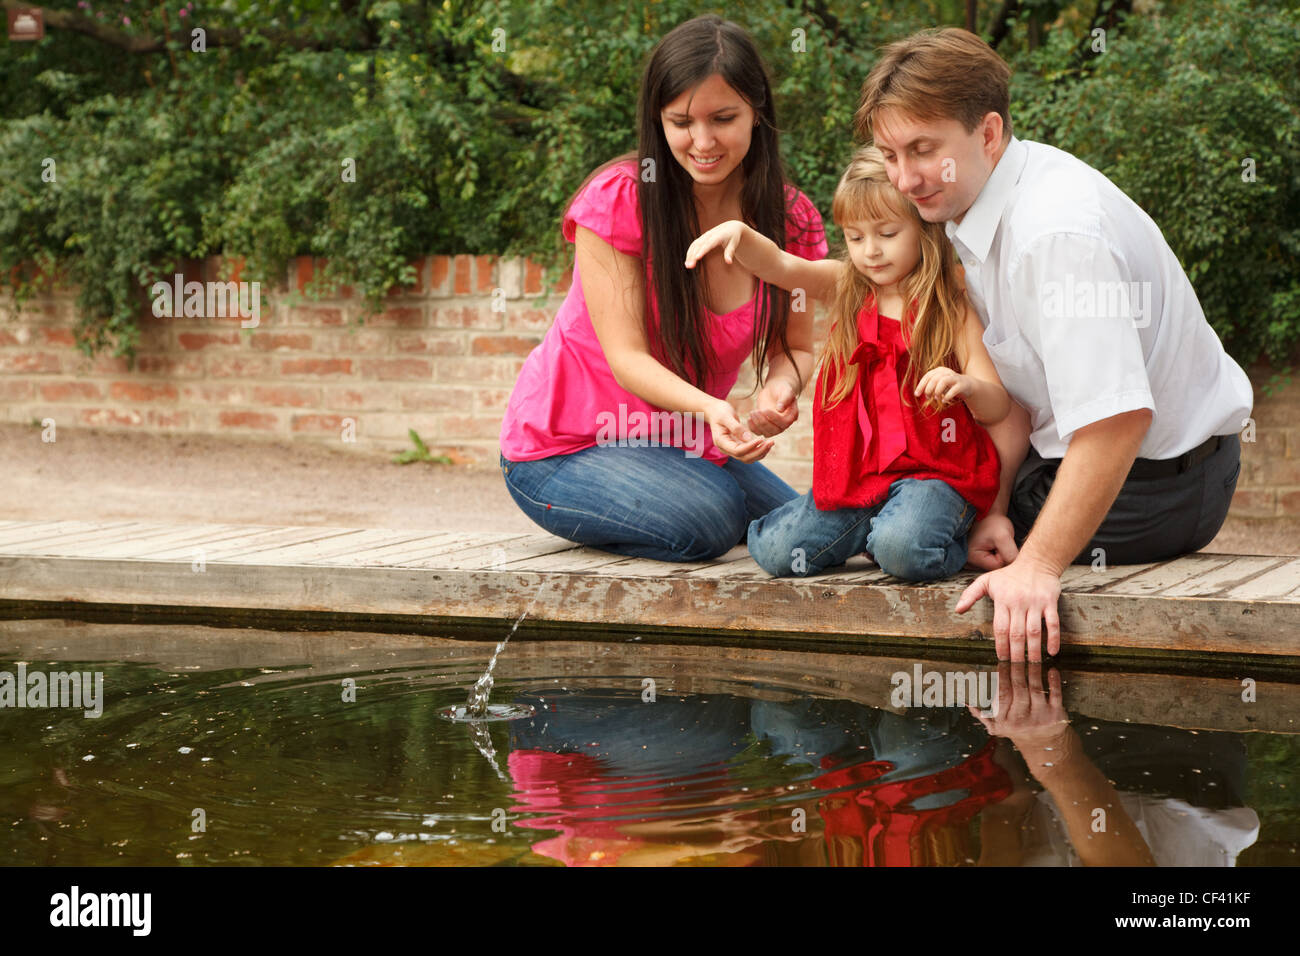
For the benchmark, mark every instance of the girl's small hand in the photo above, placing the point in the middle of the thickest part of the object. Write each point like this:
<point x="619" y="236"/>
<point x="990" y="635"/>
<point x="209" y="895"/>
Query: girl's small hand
<point x="943" y="385"/>
<point x="776" y="409"/>
<point x="727" y="236"/>
<point x="732" y="438"/>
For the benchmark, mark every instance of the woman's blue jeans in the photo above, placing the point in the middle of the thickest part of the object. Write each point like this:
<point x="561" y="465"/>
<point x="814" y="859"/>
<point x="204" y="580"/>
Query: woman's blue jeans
<point x="917" y="533"/>
<point x="651" y="502"/>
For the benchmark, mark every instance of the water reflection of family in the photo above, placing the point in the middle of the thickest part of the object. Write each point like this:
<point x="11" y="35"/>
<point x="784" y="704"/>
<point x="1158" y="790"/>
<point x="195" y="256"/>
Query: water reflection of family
<point x="618" y="781"/>
<point x="1017" y="372"/>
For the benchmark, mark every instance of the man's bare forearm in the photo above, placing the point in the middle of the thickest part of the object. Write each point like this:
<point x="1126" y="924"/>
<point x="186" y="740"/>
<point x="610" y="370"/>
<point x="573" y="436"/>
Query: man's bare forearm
<point x="1080" y="790"/>
<point x="1096" y="463"/>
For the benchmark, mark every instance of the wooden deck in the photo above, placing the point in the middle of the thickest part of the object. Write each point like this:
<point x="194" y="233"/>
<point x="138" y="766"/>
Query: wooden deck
<point x="1202" y="603"/>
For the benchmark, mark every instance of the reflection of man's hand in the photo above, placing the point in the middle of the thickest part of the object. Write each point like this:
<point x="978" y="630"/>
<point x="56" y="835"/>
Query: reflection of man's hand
<point x="1030" y="718"/>
<point x="1037" y="724"/>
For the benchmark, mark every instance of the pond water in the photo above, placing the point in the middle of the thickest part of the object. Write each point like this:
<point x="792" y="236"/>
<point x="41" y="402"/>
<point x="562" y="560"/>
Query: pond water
<point x="230" y="746"/>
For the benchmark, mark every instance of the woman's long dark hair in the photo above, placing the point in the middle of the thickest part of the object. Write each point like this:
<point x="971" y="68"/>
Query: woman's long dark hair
<point x="686" y="57"/>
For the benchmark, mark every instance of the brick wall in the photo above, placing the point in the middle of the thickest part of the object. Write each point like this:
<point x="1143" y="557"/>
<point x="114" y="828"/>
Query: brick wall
<point x="442" y="359"/>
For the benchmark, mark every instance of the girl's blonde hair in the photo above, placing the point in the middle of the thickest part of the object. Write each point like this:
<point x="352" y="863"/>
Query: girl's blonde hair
<point x="932" y="325"/>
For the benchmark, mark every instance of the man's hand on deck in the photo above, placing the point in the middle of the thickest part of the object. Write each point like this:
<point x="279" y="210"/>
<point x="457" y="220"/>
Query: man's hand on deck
<point x="1024" y="594"/>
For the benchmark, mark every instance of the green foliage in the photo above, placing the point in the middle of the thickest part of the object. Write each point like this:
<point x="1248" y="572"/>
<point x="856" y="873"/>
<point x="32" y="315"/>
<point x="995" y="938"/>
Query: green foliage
<point x="470" y="122"/>
<point x="419" y="453"/>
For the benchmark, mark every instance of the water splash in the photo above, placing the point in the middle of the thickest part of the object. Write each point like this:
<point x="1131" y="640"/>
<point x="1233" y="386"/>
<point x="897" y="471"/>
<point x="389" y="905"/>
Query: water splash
<point x="476" y="708"/>
<point x="477" y="704"/>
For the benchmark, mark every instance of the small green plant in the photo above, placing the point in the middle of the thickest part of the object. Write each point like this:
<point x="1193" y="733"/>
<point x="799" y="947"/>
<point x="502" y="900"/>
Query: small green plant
<point x="419" y="453"/>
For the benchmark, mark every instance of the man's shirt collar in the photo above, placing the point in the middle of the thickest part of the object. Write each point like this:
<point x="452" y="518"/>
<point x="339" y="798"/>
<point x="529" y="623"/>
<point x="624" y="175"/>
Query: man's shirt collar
<point x="980" y="224"/>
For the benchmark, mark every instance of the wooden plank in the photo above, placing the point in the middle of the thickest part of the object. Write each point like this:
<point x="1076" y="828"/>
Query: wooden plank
<point x="302" y="550"/>
<point x="36" y="530"/>
<point x="27" y="530"/>
<point x="492" y="544"/>
<point x="356" y="541"/>
<point x="855" y="570"/>
<point x="91" y="546"/>
<point x="1273" y="585"/>
<point x="866" y="576"/>
<point x="1235" y="573"/>
<point x="140" y="542"/>
<point x="188" y="534"/>
<point x="742" y="569"/>
<point x="225" y="543"/>
<point x="395" y="553"/>
<point x="90" y="530"/>
<point x="738" y="553"/>
<point x="488" y="556"/>
<point x="650" y="568"/>
<point x="251" y="550"/>
<point x="68" y="543"/>
<point x="387" y="540"/>
<point x="459" y="544"/>
<point x="202" y="536"/>
<point x="41" y="531"/>
<point x="1083" y="577"/>
<point x="592" y="560"/>
<point x="1167" y="575"/>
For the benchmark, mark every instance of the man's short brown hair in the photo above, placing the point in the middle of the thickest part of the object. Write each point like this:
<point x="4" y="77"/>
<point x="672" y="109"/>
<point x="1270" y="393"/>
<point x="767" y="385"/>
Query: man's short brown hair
<point x="937" y="74"/>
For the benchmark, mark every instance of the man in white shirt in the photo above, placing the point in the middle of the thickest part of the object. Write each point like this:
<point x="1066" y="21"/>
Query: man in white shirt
<point x="1132" y="404"/>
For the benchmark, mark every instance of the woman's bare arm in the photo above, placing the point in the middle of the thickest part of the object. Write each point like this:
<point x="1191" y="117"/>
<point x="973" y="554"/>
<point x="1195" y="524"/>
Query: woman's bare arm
<point x="613" y="285"/>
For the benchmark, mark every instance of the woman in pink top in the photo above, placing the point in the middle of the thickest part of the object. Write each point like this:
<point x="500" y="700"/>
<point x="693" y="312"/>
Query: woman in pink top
<point x="618" y="434"/>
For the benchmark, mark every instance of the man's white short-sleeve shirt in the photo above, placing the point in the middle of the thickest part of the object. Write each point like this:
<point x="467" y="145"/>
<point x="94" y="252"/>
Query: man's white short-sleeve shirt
<point x="1087" y="312"/>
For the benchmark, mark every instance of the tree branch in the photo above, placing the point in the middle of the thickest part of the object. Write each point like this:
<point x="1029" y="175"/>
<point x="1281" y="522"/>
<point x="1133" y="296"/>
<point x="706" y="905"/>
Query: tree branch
<point x="1001" y="24"/>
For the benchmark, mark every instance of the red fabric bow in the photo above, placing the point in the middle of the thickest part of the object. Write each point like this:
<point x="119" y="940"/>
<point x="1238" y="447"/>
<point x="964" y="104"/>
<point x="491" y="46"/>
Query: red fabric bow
<point x="878" y="370"/>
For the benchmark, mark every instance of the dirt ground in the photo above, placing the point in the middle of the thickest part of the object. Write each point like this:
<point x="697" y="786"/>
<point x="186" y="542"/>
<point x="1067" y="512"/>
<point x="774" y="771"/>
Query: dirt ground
<point x="90" y="474"/>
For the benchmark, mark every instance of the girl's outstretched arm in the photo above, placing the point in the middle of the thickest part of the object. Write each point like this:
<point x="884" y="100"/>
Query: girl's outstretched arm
<point x="759" y="255"/>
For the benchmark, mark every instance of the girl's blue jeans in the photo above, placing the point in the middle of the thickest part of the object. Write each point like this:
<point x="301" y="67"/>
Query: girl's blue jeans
<point x="917" y="533"/>
<point x="651" y="502"/>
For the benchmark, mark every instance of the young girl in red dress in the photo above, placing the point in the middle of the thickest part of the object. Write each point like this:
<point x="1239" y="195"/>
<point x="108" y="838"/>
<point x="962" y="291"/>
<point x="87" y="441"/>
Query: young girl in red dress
<point x="902" y="465"/>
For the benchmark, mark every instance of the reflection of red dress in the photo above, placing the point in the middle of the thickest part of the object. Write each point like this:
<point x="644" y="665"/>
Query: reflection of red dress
<point x="580" y="788"/>
<point x="891" y="832"/>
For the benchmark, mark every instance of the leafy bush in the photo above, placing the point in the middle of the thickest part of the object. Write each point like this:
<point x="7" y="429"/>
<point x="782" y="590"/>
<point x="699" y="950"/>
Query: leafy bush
<point x="1194" y="114"/>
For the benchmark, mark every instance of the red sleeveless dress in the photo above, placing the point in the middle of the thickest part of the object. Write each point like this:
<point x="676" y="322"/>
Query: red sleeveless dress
<point x="872" y="438"/>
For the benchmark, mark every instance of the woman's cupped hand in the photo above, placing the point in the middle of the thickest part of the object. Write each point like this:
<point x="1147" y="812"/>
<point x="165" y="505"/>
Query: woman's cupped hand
<point x="776" y="408"/>
<point x="732" y="437"/>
